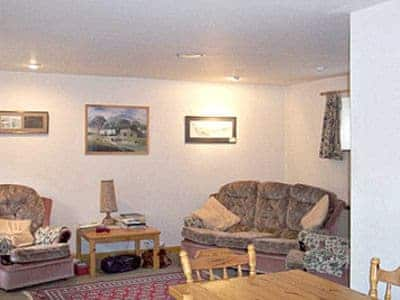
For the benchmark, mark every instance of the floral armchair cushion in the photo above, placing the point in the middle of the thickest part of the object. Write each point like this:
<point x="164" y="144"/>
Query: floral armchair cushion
<point x="324" y="253"/>
<point x="51" y="235"/>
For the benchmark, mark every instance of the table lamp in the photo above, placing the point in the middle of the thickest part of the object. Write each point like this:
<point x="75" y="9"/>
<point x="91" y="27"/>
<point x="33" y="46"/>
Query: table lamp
<point x="108" y="203"/>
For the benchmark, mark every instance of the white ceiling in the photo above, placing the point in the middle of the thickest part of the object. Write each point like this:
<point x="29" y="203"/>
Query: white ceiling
<point x="263" y="41"/>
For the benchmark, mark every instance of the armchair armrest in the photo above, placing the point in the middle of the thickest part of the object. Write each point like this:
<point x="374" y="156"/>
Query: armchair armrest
<point x="193" y="221"/>
<point x="52" y="235"/>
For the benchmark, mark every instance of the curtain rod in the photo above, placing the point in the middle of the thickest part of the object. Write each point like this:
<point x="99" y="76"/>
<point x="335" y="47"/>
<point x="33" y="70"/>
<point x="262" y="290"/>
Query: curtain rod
<point x="335" y="92"/>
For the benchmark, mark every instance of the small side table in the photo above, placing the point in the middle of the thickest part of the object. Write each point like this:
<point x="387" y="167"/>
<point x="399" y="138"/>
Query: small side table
<point x="114" y="236"/>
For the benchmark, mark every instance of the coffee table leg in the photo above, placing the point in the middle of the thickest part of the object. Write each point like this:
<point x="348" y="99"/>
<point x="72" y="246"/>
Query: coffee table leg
<point x="92" y="254"/>
<point x="137" y="247"/>
<point x="78" y="245"/>
<point x="156" y="249"/>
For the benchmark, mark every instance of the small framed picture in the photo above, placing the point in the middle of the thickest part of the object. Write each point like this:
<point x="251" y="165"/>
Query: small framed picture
<point x="210" y="130"/>
<point x="24" y="122"/>
<point x="116" y="129"/>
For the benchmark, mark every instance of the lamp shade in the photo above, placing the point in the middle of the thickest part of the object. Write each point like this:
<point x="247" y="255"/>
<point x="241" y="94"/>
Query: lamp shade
<point x="108" y="201"/>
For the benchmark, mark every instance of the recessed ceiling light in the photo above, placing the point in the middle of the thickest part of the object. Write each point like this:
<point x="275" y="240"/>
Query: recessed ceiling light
<point x="320" y="69"/>
<point x="234" y="78"/>
<point x="34" y="66"/>
<point x="190" y="55"/>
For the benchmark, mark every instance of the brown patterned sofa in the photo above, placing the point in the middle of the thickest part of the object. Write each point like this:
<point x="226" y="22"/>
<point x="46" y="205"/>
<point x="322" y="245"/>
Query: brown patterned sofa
<point x="40" y="262"/>
<point x="270" y="215"/>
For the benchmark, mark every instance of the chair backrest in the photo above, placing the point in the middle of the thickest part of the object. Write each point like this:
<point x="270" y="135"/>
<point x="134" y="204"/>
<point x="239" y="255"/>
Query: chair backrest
<point x="22" y="202"/>
<point x="220" y="258"/>
<point x="376" y="274"/>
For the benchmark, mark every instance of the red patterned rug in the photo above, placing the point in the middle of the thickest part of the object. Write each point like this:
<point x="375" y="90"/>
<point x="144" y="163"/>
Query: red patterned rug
<point x="151" y="287"/>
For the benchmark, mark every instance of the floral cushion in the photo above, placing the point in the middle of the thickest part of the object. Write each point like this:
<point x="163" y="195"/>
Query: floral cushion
<point x="324" y="261"/>
<point x="325" y="253"/>
<point x="49" y="235"/>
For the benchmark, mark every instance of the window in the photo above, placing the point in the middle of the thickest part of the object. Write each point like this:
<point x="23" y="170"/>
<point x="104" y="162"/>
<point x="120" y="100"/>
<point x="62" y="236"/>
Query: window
<point x="345" y="129"/>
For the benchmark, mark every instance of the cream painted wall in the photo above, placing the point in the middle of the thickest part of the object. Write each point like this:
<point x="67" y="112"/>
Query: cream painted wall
<point x="375" y="84"/>
<point x="304" y="109"/>
<point x="167" y="184"/>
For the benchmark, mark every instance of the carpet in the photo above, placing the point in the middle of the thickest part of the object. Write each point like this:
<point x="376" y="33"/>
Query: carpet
<point x="149" y="287"/>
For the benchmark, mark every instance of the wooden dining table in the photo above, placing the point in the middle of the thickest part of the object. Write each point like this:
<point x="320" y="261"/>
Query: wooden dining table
<point x="290" y="285"/>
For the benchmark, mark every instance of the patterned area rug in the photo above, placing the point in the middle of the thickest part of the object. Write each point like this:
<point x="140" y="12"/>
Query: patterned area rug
<point x="150" y="287"/>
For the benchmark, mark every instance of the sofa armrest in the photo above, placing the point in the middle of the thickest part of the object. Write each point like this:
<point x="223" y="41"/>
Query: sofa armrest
<point x="52" y="235"/>
<point x="193" y="221"/>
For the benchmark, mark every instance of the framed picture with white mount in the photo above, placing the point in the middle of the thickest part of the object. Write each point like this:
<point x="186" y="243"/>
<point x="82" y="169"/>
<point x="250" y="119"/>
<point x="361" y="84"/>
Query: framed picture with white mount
<point x="24" y="122"/>
<point x="210" y="130"/>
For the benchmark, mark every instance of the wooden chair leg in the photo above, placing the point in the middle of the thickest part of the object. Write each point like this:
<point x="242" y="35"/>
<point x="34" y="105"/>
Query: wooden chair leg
<point x="373" y="278"/>
<point x="252" y="259"/>
<point x="187" y="269"/>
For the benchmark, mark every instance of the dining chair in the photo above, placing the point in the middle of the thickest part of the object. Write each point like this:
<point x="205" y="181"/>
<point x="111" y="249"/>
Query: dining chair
<point x="376" y="274"/>
<point x="219" y="258"/>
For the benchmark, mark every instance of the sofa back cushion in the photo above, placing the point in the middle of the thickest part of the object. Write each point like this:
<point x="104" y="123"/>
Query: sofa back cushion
<point x="271" y="206"/>
<point x="302" y="199"/>
<point x="240" y="198"/>
<point x="21" y="203"/>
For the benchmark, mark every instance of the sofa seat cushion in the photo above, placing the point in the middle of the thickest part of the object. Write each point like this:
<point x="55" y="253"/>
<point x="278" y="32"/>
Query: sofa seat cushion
<point x="271" y="206"/>
<point x="275" y="245"/>
<point x="239" y="240"/>
<point x="295" y="260"/>
<point x="201" y="235"/>
<point x="39" y="253"/>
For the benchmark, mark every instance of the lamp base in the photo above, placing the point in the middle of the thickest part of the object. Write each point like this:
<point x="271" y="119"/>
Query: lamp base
<point x="108" y="220"/>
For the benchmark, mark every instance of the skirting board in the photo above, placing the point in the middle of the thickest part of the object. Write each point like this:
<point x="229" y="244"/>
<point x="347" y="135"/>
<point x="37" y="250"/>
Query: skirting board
<point x="101" y="255"/>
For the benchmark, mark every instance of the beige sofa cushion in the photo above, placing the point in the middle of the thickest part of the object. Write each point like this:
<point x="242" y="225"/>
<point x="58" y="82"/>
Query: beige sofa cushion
<point x="316" y="217"/>
<point x="239" y="240"/>
<point x="275" y="245"/>
<point x="201" y="235"/>
<point x="216" y="216"/>
<point x="17" y="231"/>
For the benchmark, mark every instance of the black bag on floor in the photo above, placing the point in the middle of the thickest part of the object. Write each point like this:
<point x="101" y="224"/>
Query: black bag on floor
<point x="120" y="263"/>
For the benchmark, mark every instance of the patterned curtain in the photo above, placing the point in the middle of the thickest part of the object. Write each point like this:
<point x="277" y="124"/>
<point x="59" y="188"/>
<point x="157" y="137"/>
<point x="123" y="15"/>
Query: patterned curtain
<point x="330" y="141"/>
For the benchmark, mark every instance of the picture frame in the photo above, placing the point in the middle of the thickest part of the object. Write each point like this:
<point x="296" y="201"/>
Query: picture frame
<point x="24" y="122"/>
<point x="116" y="129"/>
<point x="210" y="130"/>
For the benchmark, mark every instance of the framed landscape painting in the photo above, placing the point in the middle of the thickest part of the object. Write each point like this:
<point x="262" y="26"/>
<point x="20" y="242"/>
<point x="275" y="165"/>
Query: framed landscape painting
<point x="210" y="130"/>
<point x="116" y="129"/>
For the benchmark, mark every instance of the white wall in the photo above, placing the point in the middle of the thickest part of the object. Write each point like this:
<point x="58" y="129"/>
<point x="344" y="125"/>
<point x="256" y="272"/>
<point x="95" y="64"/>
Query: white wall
<point x="167" y="184"/>
<point x="304" y="111"/>
<point x="375" y="84"/>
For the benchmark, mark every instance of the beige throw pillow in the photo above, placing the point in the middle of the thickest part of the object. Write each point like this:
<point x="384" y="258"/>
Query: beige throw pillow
<point x="317" y="215"/>
<point x="216" y="216"/>
<point x="18" y="231"/>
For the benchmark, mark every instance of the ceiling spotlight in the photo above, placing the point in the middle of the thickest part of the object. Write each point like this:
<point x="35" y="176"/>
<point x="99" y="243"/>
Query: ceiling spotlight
<point x="34" y="66"/>
<point x="190" y="55"/>
<point x="235" y="77"/>
<point x="320" y="69"/>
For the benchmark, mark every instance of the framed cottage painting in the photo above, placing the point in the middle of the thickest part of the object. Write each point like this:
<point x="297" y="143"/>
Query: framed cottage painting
<point x="116" y="129"/>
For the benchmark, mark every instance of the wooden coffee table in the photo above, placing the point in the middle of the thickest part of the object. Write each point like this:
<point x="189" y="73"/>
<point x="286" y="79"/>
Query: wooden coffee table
<point x="114" y="236"/>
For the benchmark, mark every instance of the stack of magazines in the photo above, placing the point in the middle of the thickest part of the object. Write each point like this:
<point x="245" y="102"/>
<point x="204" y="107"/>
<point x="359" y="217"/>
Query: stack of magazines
<point x="131" y="220"/>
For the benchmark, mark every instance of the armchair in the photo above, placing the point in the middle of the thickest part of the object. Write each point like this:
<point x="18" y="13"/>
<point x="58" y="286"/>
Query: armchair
<point x="322" y="254"/>
<point x="49" y="257"/>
